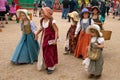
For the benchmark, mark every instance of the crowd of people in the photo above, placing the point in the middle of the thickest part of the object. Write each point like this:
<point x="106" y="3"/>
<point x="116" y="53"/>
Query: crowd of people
<point x="85" y="31"/>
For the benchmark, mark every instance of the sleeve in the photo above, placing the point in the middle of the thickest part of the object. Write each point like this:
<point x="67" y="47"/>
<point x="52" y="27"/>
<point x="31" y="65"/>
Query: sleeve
<point x="92" y="22"/>
<point x="32" y="26"/>
<point x="54" y="21"/>
<point x="21" y="25"/>
<point x="101" y="40"/>
<point x="77" y="28"/>
<point x="39" y="27"/>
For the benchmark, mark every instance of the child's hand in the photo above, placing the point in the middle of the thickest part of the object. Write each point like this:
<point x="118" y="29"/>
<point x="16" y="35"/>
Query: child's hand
<point x="55" y="42"/>
<point x="96" y="44"/>
<point x="36" y="37"/>
<point x="75" y="36"/>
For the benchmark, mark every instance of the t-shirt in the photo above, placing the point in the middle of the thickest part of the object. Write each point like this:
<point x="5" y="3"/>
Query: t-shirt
<point x="66" y="3"/>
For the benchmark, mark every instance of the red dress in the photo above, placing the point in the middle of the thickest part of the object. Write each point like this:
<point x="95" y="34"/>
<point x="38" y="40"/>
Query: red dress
<point x="50" y="53"/>
<point x="82" y="45"/>
<point x="83" y="41"/>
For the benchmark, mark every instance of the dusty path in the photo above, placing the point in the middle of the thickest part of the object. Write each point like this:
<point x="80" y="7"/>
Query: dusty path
<point x="69" y="67"/>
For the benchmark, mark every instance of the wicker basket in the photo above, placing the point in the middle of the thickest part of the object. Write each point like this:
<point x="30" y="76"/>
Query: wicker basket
<point x="106" y="34"/>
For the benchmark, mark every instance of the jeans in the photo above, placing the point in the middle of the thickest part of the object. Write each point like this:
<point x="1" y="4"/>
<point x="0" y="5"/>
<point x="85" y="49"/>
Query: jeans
<point x="64" y="13"/>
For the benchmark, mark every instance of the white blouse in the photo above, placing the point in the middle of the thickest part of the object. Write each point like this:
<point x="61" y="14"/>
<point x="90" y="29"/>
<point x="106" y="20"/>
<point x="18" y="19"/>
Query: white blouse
<point x="46" y="24"/>
<point x="79" y="26"/>
<point x="100" y="40"/>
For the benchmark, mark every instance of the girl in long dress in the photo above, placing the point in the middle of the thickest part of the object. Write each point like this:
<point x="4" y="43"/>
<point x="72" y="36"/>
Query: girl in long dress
<point x="48" y="52"/>
<point x="95" y="67"/>
<point x="96" y="16"/>
<point x="83" y="38"/>
<point x="71" y="40"/>
<point x="27" y="48"/>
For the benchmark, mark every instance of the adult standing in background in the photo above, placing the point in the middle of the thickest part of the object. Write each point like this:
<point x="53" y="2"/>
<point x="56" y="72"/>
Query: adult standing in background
<point x="48" y="3"/>
<point x="66" y="5"/>
<point x="2" y="11"/>
<point x="94" y="3"/>
<point x="40" y="6"/>
<point x="102" y="10"/>
<point x="72" y="8"/>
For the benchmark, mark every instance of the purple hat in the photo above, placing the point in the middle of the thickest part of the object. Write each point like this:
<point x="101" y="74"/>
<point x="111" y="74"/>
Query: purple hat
<point x="84" y="10"/>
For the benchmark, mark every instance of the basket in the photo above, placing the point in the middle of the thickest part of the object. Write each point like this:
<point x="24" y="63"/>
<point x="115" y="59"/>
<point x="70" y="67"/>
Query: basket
<point x="106" y="34"/>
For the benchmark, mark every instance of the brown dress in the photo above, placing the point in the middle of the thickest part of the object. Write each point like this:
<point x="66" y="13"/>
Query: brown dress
<point x="98" y="21"/>
<point x="72" y="39"/>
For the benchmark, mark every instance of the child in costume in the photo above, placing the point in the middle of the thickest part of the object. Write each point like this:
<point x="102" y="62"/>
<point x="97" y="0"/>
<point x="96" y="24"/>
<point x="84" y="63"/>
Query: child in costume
<point x="35" y="9"/>
<point x="84" y="38"/>
<point x="96" y="16"/>
<point x="48" y="52"/>
<point x="97" y="42"/>
<point x="13" y="10"/>
<point x="27" y="49"/>
<point x="72" y="41"/>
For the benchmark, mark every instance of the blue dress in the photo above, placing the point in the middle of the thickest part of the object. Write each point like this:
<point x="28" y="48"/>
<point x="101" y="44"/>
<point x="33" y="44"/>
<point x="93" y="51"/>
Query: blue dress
<point x="27" y="48"/>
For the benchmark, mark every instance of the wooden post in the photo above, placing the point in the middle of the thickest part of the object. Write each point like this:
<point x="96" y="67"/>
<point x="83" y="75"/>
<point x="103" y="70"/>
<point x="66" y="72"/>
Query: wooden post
<point x="0" y="30"/>
<point x="30" y="15"/>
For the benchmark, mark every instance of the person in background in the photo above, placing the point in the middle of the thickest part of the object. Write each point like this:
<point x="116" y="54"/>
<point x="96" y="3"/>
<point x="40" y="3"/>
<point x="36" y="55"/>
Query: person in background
<point x="35" y="9"/>
<point x="102" y="11"/>
<point x="2" y="12"/>
<point x="65" y="10"/>
<point x="96" y="16"/>
<point x="108" y="7"/>
<point x="72" y="8"/>
<point x="40" y="6"/>
<point x="94" y="3"/>
<point x="119" y="10"/>
<point x="48" y="3"/>
<point x="13" y="10"/>
<point x="7" y="13"/>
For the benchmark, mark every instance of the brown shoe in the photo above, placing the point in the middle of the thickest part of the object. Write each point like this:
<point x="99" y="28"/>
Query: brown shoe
<point x="98" y="76"/>
<point x="91" y="76"/>
<point x="6" y="23"/>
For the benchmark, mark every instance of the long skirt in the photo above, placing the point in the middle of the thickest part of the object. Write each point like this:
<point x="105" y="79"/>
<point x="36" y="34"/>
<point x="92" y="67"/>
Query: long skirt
<point x="82" y="45"/>
<point x="27" y="50"/>
<point x="72" y="39"/>
<point x="96" y="66"/>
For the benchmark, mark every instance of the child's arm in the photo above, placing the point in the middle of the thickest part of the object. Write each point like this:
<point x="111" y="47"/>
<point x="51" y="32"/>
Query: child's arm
<point x="77" y="29"/>
<point x="56" y="32"/>
<point x="32" y="27"/>
<point x="100" y="45"/>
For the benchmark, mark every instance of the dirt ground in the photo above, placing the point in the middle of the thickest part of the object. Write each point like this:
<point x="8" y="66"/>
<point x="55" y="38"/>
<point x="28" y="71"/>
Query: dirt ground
<point x="69" y="67"/>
